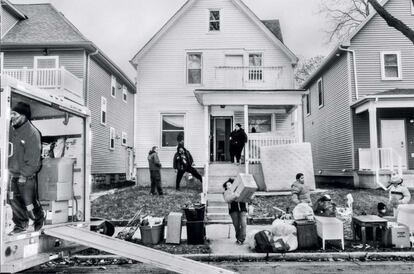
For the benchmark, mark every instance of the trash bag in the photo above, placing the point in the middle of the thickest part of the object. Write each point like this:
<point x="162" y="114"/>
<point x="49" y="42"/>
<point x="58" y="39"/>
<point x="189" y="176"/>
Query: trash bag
<point x="285" y="243"/>
<point x="282" y="228"/>
<point x="263" y="244"/>
<point x="302" y="211"/>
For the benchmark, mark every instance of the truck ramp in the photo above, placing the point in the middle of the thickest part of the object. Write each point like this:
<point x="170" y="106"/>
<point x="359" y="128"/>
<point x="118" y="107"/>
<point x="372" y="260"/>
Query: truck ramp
<point x="132" y="251"/>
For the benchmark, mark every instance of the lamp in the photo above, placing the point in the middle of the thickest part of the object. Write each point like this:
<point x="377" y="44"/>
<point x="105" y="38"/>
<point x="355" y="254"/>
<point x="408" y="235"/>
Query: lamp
<point x="222" y="106"/>
<point x="45" y="52"/>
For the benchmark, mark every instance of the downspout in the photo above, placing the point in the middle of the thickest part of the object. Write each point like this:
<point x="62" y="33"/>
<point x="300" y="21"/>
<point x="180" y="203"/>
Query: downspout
<point x="88" y="61"/>
<point x="355" y="68"/>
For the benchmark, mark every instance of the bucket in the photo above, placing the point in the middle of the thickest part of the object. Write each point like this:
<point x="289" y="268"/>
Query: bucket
<point x="196" y="232"/>
<point x="152" y="235"/>
<point x="406" y="216"/>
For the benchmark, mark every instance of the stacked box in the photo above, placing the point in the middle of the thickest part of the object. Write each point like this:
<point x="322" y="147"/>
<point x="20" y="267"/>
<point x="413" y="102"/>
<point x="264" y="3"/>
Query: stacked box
<point x="56" y="211"/>
<point x="245" y="186"/>
<point x="174" y="228"/>
<point x="396" y="235"/>
<point x="55" y="179"/>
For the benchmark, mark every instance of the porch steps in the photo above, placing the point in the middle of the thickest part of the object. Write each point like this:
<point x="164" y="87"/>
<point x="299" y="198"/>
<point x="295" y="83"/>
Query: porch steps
<point x="217" y="209"/>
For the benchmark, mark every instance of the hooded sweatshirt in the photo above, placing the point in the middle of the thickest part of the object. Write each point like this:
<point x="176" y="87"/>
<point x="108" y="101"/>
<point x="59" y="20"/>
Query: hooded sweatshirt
<point x="153" y="160"/>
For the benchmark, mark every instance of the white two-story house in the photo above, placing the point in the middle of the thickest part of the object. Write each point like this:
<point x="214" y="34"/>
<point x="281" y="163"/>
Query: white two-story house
<point x="212" y="65"/>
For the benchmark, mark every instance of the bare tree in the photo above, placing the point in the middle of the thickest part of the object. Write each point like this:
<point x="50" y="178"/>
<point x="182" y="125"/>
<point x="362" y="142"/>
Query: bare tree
<point x="343" y="16"/>
<point x="392" y="21"/>
<point x="305" y="67"/>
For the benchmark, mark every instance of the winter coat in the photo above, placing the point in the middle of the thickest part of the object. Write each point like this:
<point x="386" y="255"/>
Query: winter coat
<point x="154" y="161"/>
<point x="234" y="206"/>
<point x="27" y="150"/>
<point x="399" y="194"/>
<point x="182" y="161"/>
<point x="300" y="193"/>
<point x="238" y="137"/>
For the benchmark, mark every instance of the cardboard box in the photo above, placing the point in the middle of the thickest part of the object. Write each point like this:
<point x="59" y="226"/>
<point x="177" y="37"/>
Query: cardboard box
<point x="174" y="228"/>
<point x="56" y="211"/>
<point x="396" y="235"/>
<point x="245" y="186"/>
<point x="55" y="179"/>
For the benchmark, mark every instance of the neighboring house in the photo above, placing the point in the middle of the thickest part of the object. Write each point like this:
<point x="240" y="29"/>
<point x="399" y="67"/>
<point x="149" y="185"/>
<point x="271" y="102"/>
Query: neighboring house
<point x="359" y="113"/>
<point x="41" y="47"/>
<point x="212" y="65"/>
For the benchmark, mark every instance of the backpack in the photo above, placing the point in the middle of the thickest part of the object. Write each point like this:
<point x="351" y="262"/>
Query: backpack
<point x="263" y="244"/>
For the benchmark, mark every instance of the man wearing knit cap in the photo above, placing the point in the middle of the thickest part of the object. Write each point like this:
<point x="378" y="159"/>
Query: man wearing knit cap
<point x="24" y="164"/>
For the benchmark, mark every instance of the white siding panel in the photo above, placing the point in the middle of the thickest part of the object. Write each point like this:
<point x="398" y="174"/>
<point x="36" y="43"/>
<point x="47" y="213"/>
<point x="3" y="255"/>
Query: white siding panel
<point x="119" y="116"/>
<point x="377" y="36"/>
<point x="161" y="74"/>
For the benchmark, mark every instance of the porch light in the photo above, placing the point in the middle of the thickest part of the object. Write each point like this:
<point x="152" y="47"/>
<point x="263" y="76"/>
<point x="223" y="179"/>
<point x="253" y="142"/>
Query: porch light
<point x="320" y="171"/>
<point x="411" y="121"/>
<point x="45" y="52"/>
<point x="222" y="106"/>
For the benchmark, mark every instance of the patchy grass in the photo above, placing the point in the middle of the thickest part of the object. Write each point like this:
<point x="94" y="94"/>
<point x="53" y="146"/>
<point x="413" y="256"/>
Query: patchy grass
<point x="124" y="203"/>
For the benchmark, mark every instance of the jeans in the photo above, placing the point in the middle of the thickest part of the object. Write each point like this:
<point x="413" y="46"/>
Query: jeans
<point x="156" y="181"/>
<point x="235" y="151"/>
<point x="239" y="220"/>
<point x="180" y="174"/>
<point x="24" y="202"/>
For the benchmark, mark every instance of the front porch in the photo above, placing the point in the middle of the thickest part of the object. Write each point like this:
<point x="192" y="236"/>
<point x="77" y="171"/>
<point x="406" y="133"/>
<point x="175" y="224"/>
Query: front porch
<point x="387" y="146"/>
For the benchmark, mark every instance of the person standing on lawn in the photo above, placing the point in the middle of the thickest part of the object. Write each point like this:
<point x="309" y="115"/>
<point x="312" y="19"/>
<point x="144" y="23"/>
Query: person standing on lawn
<point x="155" y="170"/>
<point x="24" y="164"/>
<point x="237" y="211"/>
<point x="398" y="194"/>
<point x="183" y="162"/>
<point x="300" y="192"/>
<point x="237" y="140"/>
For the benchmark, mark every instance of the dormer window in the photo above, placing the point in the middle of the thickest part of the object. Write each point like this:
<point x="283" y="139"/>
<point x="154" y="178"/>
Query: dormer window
<point x="214" y="20"/>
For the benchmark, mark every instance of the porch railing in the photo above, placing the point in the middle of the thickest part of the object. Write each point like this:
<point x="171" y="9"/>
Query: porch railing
<point x="380" y="159"/>
<point x="233" y="77"/>
<point x="258" y="140"/>
<point x="59" y="79"/>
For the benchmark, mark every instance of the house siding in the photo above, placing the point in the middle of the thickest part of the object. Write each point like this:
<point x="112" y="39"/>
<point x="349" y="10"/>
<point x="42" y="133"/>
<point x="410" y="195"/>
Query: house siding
<point x="119" y="116"/>
<point x="161" y="73"/>
<point x="329" y="128"/>
<point x="361" y="134"/>
<point x="72" y="60"/>
<point x="377" y="36"/>
<point x="7" y="21"/>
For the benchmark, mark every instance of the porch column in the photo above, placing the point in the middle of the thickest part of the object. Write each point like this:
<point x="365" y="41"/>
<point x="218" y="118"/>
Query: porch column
<point x="299" y="123"/>
<point x="373" y="134"/>
<point x="246" y="147"/>
<point x="206" y="148"/>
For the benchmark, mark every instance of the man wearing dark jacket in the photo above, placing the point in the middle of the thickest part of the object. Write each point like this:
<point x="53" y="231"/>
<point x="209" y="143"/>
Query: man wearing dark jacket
<point x="237" y="140"/>
<point x="155" y="170"/>
<point x="183" y="162"/>
<point x="24" y="164"/>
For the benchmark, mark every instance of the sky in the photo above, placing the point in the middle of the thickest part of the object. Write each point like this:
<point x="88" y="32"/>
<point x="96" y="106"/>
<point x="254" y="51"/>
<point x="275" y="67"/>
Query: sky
<point x="120" y="28"/>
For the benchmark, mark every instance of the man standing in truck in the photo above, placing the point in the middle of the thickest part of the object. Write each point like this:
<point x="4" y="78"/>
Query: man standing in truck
<point x="24" y="163"/>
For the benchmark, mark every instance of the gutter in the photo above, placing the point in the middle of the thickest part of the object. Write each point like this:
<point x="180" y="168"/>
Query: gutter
<point x="355" y="68"/>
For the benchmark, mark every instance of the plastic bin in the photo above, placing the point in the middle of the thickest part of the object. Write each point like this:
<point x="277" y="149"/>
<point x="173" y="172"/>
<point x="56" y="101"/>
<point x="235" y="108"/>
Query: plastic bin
<point x="195" y="213"/>
<point x="196" y="232"/>
<point x="152" y="235"/>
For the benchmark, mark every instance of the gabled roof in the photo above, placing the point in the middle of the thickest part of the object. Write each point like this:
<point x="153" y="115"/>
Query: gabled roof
<point x="397" y="91"/>
<point x="12" y="9"/>
<point x="46" y="27"/>
<point x="271" y="30"/>
<point x="274" y="27"/>
<point x="334" y="54"/>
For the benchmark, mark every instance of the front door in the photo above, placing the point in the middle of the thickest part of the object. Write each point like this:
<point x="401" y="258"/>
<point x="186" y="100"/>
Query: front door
<point x="220" y="145"/>
<point x="393" y="136"/>
<point x="234" y="71"/>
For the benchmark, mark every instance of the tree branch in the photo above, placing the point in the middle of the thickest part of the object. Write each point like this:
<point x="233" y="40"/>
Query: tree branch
<point x="392" y="21"/>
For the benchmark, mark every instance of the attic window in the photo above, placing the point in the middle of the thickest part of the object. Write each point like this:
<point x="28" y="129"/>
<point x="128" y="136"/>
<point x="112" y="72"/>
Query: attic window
<point x="391" y="65"/>
<point x="214" y="20"/>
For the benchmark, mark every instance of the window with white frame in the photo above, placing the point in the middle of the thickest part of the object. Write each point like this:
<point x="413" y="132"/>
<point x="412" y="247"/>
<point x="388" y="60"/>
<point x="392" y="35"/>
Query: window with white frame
<point x="111" y="138"/>
<point x="103" y="110"/>
<point x="113" y="86"/>
<point x="194" y="68"/>
<point x="124" y="138"/>
<point x="391" y="65"/>
<point x="172" y="129"/>
<point x="307" y="104"/>
<point x="260" y="122"/>
<point x="255" y="67"/>
<point x="124" y="94"/>
<point x="214" y="20"/>
<point x="321" y="95"/>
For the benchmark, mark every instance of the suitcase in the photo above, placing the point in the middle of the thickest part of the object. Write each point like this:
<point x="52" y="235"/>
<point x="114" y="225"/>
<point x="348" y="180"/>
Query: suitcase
<point x="245" y="186"/>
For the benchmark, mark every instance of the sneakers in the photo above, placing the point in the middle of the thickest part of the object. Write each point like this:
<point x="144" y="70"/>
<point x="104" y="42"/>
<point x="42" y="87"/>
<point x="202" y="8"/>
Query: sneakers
<point x="17" y="230"/>
<point x="239" y="242"/>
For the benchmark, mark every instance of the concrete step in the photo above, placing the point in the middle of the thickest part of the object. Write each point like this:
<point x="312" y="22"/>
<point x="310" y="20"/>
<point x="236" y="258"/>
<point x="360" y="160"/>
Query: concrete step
<point x="215" y="190"/>
<point x="216" y="203"/>
<point x="226" y="170"/>
<point x="213" y="222"/>
<point x="213" y="197"/>
<point x="218" y="216"/>
<point x="218" y="209"/>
